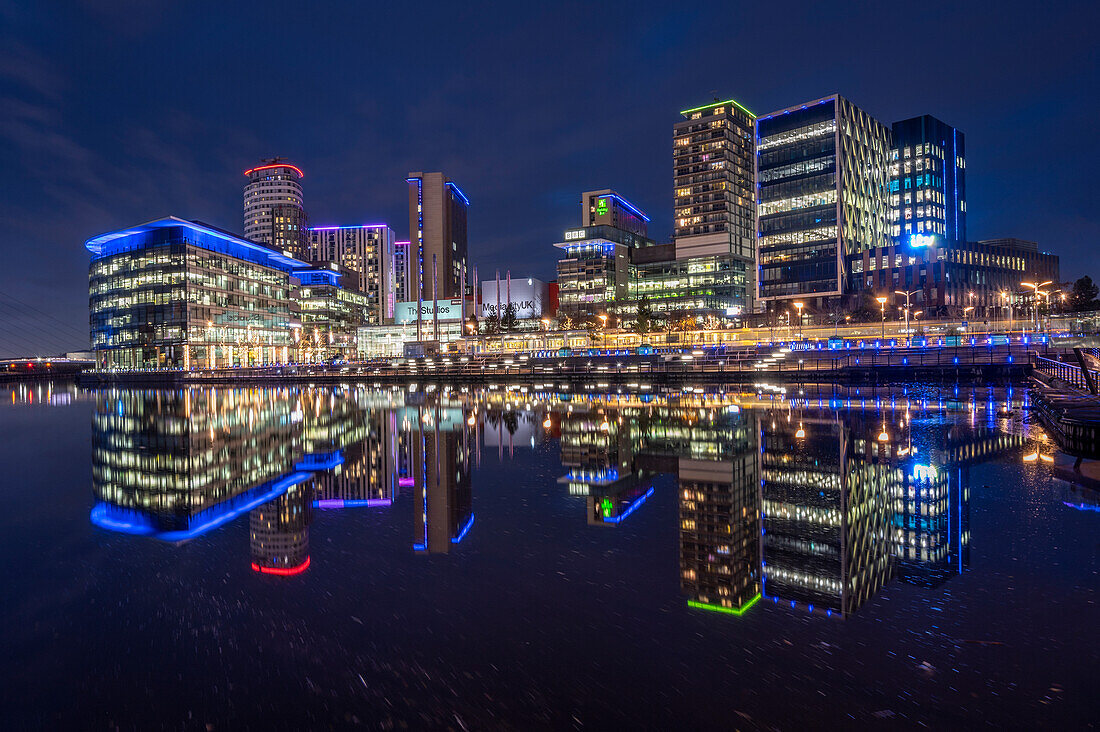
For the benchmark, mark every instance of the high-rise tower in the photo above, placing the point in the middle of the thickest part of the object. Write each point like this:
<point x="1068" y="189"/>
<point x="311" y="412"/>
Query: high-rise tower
<point x="437" y="226"/>
<point x="273" y="211"/>
<point x="713" y="150"/>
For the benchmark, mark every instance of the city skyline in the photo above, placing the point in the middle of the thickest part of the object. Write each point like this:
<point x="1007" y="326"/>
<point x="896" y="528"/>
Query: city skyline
<point x="152" y="141"/>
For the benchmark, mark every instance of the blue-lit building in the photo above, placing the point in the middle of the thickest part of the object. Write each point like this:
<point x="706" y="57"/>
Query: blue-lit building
<point x="176" y="294"/>
<point x="928" y="183"/>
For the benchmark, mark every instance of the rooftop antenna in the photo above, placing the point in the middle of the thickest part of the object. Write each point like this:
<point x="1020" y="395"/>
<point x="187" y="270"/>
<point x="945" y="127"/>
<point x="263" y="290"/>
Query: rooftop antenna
<point x="272" y="161"/>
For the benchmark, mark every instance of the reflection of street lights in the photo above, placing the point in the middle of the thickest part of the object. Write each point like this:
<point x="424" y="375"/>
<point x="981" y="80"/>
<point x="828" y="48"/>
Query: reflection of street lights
<point x="882" y="306"/>
<point x="798" y="306"/>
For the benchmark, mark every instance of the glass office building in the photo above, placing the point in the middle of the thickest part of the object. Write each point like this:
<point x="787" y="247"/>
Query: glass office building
<point x="822" y="181"/>
<point x="928" y="183"/>
<point x="180" y="294"/>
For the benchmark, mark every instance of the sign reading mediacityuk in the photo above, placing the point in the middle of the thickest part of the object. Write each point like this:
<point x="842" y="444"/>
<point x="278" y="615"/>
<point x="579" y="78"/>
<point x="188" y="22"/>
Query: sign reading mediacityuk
<point x="405" y="312"/>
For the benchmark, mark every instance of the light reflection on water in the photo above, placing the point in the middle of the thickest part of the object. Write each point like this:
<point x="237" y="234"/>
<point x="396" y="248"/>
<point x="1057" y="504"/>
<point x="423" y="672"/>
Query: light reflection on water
<point x="809" y="501"/>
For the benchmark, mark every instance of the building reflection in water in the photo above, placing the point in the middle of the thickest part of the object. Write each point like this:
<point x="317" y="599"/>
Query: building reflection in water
<point x="807" y="504"/>
<point x="442" y="492"/>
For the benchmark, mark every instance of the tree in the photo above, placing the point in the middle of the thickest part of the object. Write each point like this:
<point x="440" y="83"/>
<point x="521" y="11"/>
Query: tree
<point x="1084" y="294"/>
<point x="508" y="321"/>
<point x="644" y="320"/>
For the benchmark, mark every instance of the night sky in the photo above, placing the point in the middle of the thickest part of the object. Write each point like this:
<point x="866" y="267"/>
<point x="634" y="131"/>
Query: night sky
<point x="118" y="112"/>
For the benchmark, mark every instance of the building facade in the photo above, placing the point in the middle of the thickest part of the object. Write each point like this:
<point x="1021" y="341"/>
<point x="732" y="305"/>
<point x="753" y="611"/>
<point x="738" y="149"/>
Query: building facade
<point x="594" y="274"/>
<point x="822" y="172"/>
<point x="274" y="212"/>
<point x="437" y="228"/>
<point x="177" y="294"/>
<point x="713" y="151"/>
<point x="949" y="280"/>
<point x="607" y="208"/>
<point x="369" y="251"/>
<point x="331" y="314"/>
<point x="928" y="183"/>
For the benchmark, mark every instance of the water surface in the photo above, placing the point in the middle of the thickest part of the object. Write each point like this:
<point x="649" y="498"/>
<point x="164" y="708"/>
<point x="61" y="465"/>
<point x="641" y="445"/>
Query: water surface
<point x="285" y="558"/>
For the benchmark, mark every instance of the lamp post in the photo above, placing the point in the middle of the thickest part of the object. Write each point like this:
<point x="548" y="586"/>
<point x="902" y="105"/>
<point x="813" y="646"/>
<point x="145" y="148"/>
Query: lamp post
<point x="882" y="307"/>
<point x="966" y="324"/>
<point x="603" y="330"/>
<point x="1036" y="288"/>
<point x="798" y="306"/>
<point x="916" y="318"/>
<point x="907" y="294"/>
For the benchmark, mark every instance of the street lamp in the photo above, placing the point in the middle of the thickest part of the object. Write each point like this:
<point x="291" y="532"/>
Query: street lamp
<point x="966" y="326"/>
<point x="907" y="294"/>
<point x="836" y="325"/>
<point x="882" y="306"/>
<point x="799" y="305"/>
<point x="1036" y="288"/>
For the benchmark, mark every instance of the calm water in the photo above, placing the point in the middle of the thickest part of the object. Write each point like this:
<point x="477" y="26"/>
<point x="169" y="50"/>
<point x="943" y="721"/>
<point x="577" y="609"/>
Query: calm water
<point x="264" y="558"/>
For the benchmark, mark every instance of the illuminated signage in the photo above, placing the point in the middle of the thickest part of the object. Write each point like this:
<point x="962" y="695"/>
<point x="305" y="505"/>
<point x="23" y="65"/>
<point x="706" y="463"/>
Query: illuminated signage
<point x="405" y="312"/>
<point x="574" y="234"/>
<point x="922" y="240"/>
<point x="924" y="472"/>
<point x="601" y="207"/>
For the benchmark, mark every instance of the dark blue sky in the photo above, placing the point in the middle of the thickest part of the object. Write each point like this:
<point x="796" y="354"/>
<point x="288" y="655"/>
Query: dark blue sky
<point x="115" y="112"/>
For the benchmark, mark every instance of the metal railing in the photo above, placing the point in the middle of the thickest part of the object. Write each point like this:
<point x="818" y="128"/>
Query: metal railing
<point x="1070" y="373"/>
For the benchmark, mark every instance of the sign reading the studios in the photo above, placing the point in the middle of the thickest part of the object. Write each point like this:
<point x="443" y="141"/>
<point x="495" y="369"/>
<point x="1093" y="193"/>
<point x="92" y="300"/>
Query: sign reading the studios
<point x="405" y="312"/>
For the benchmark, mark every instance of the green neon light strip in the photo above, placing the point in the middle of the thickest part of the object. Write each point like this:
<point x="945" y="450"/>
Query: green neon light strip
<point x="718" y="104"/>
<point x="727" y="610"/>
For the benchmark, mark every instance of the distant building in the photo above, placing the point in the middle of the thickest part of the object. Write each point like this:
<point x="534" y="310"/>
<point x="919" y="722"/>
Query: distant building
<point x="370" y="252"/>
<point x="928" y="182"/>
<point x="180" y="294"/>
<point x="437" y="227"/>
<point x="529" y="296"/>
<point x="822" y="171"/>
<point x="607" y="208"/>
<point x="944" y="280"/>
<point x="273" y="208"/>
<point x="401" y="274"/>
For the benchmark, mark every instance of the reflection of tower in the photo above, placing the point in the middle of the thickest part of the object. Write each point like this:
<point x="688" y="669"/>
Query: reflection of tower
<point x="279" y="532"/>
<point x="442" y="495"/>
<point x="720" y="527"/>
<point x="826" y="514"/>
<point x="367" y="476"/>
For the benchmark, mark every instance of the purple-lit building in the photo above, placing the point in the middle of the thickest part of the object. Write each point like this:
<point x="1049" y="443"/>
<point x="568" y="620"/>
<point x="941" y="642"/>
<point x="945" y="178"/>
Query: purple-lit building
<point x="369" y="251"/>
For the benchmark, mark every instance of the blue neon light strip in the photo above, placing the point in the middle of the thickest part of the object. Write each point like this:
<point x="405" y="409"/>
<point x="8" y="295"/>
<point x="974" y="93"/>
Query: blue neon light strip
<point x="628" y="205"/>
<point x="320" y="461"/>
<point x="126" y="521"/>
<point x="465" y="530"/>
<point x="630" y="509"/>
<point x="115" y="242"/>
<point x="458" y="192"/>
<point x="352" y="503"/>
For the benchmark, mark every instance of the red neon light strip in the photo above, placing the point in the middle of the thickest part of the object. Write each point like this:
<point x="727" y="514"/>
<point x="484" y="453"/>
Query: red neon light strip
<point x="281" y="571"/>
<point x="279" y="165"/>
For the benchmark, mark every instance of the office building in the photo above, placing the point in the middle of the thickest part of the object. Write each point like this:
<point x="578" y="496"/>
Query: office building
<point x="274" y="213"/>
<point x="607" y="208"/>
<point x="370" y="252"/>
<point x="928" y="183"/>
<point x="331" y="313"/>
<point x="594" y="275"/>
<point x="437" y="228"/>
<point x="714" y="149"/>
<point x="180" y="294"/>
<point x="950" y="279"/>
<point x="822" y="172"/>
